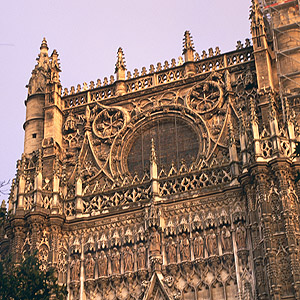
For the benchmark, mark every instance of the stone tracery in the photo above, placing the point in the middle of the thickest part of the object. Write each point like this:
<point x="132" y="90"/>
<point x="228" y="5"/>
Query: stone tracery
<point x="134" y="215"/>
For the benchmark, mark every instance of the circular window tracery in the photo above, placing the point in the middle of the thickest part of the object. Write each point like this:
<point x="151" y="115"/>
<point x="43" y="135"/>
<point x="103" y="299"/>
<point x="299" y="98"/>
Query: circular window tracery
<point x="175" y="139"/>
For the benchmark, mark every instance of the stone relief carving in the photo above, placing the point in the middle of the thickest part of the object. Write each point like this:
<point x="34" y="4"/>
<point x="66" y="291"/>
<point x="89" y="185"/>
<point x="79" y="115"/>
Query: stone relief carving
<point x="128" y="259"/>
<point x="205" y="97"/>
<point x="75" y="269"/>
<point x="141" y="257"/>
<point x="154" y="243"/>
<point x="211" y="243"/>
<point x="171" y="251"/>
<point x="185" y="248"/>
<point x="115" y="261"/>
<point x="241" y="235"/>
<point x="198" y="245"/>
<point x="108" y="123"/>
<point x="226" y="241"/>
<point x="89" y="267"/>
<point x="102" y="264"/>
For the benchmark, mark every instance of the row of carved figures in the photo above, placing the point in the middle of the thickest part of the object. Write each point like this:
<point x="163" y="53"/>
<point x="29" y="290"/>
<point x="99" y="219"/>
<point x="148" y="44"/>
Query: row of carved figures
<point x="128" y="259"/>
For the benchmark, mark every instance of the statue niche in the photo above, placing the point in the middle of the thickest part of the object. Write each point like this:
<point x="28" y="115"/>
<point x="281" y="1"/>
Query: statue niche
<point x="226" y="240"/>
<point x="185" y="248"/>
<point x="198" y="245"/>
<point x="211" y="243"/>
<point x="128" y="259"/>
<point x="171" y="251"/>
<point x="115" y="261"/>
<point x="141" y="257"/>
<point x="154" y="246"/>
<point x="102" y="264"/>
<point x="89" y="267"/>
<point x="75" y="269"/>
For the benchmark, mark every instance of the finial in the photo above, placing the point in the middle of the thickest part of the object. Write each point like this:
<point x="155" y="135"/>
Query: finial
<point x="187" y="42"/>
<point x="121" y="60"/>
<point x="44" y="44"/>
<point x="54" y="56"/>
<point x="242" y="124"/>
<point x="188" y="47"/>
<point x="153" y="152"/>
<point x="253" y="114"/>
<point x="120" y="65"/>
<point x="230" y="131"/>
<point x="3" y="205"/>
<point x="272" y="107"/>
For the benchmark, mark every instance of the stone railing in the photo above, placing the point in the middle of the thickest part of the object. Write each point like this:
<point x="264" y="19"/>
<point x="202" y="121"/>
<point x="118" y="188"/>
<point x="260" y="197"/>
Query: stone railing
<point x="107" y="200"/>
<point x="195" y="180"/>
<point x="125" y="196"/>
<point x="162" y="75"/>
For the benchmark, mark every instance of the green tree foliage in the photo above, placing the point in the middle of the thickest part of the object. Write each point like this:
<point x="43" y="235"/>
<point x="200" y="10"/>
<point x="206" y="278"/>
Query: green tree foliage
<point x="27" y="281"/>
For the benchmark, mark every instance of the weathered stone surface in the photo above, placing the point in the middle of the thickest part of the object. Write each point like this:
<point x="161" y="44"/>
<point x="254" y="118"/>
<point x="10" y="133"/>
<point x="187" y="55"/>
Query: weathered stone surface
<point x="177" y="183"/>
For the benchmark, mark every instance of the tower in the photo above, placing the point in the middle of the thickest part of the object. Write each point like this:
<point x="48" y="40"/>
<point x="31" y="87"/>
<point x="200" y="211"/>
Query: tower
<point x="35" y="103"/>
<point x="43" y="104"/>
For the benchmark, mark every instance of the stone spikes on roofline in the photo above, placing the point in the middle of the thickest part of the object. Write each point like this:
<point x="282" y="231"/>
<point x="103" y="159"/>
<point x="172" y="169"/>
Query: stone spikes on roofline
<point x="188" y="47"/>
<point x="44" y="44"/>
<point x="120" y="65"/>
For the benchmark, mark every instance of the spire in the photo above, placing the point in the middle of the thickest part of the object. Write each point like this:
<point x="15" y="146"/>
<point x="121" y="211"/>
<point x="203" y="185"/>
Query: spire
<point x="232" y="147"/>
<point x="153" y="171"/>
<point x="55" y="61"/>
<point x="37" y="82"/>
<point x="120" y="65"/>
<point x="272" y="107"/>
<point x="153" y="152"/>
<point x="231" y="136"/>
<point x="188" y="47"/>
<point x="253" y="114"/>
<point x="254" y="127"/>
<point x="44" y="44"/>
<point x="55" y="68"/>
<point x="258" y="29"/>
<point x="43" y="58"/>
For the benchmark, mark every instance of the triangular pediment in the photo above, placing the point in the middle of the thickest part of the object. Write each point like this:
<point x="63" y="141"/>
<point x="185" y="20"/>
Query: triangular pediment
<point x="156" y="290"/>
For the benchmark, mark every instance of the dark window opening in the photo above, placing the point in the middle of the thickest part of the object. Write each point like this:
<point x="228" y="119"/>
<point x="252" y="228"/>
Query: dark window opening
<point x="174" y="140"/>
<point x="34" y="135"/>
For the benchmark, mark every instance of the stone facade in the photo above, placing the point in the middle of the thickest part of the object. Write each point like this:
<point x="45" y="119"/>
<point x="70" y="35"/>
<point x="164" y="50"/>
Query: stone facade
<point x="172" y="183"/>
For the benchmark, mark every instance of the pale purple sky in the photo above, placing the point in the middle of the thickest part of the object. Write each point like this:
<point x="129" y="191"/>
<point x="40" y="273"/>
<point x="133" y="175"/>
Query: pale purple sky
<point x="87" y="34"/>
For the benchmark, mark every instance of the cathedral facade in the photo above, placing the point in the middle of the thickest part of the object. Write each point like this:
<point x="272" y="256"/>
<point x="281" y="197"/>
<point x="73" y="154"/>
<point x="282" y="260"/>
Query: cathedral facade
<point x="173" y="182"/>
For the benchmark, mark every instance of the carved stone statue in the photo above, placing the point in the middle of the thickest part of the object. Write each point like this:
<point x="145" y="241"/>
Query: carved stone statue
<point x="115" y="261"/>
<point x="226" y="239"/>
<point x="185" y="248"/>
<point x="128" y="259"/>
<point x="198" y="245"/>
<point x="102" y="264"/>
<point x="141" y="257"/>
<point x="241" y="236"/>
<point x="171" y="251"/>
<point x="211" y="243"/>
<point x="89" y="267"/>
<point x="154" y="246"/>
<point x="75" y="269"/>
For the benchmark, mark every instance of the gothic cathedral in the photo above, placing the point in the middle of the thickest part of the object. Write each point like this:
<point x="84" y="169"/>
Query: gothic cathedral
<point x="173" y="182"/>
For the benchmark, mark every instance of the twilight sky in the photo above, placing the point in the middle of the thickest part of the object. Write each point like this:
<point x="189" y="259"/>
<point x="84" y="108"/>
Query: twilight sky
<point x="87" y="34"/>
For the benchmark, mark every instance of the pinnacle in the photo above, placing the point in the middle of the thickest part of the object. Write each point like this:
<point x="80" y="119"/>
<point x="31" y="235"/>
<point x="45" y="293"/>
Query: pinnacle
<point x="120" y="60"/>
<point x="187" y="42"/>
<point x="153" y="152"/>
<point x="44" y="44"/>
